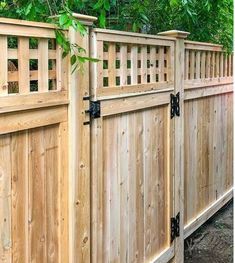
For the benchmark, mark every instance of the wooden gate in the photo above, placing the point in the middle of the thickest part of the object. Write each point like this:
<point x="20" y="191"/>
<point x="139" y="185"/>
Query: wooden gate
<point x="132" y="145"/>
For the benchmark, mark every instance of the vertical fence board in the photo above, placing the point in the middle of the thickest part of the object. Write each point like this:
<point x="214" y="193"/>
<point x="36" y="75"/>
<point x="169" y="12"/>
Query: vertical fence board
<point x="19" y="155"/>
<point x="221" y="64"/>
<point x="152" y="63"/>
<point x="198" y="66"/>
<point x="51" y="193"/>
<point x="112" y="65"/>
<point x="132" y="247"/>
<point x="192" y="64"/>
<point x="144" y="64"/>
<point x="147" y="182"/>
<point x="23" y="58"/>
<point x="63" y="191"/>
<point x="43" y="65"/>
<point x="213" y="65"/>
<point x="99" y="45"/>
<point x="217" y="61"/>
<point x="229" y="64"/>
<point x="170" y="63"/>
<point x="123" y="65"/>
<point x="161" y="64"/>
<point x="134" y="63"/>
<point x="203" y="64"/>
<point x="60" y="67"/>
<point x="208" y="64"/>
<point x="3" y="66"/>
<point x="105" y="187"/>
<point x="139" y="184"/>
<point x="100" y="193"/>
<point x="124" y="187"/>
<point x="225" y="65"/>
<point x="114" y="223"/>
<point x="5" y="200"/>
<point x="187" y="64"/>
<point x="37" y="199"/>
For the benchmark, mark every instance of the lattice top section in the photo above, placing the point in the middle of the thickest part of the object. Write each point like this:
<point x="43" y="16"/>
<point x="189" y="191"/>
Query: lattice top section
<point x="30" y="60"/>
<point x="206" y="61"/>
<point x="128" y="63"/>
<point x="134" y="64"/>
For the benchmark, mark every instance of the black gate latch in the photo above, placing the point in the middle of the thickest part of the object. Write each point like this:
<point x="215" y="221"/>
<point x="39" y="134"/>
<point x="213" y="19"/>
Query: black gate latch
<point x="175" y="227"/>
<point x="94" y="109"/>
<point x="175" y="107"/>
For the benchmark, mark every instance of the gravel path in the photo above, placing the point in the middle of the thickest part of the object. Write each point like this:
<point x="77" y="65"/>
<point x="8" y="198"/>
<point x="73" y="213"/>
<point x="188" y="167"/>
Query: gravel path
<point x="213" y="242"/>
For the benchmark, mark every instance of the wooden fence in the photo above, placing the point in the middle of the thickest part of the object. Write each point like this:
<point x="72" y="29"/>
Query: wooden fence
<point x="208" y="132"/>
<point x="33" y="144"/>
<point x="116" y="164"/>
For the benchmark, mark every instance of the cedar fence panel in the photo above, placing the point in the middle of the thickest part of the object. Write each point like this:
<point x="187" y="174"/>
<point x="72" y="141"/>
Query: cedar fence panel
<point x="208" y="132"/>
<point x="33" y="145"/>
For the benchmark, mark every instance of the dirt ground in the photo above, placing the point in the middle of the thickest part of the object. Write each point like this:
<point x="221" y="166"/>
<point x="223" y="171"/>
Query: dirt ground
<point x="213" y="242"/>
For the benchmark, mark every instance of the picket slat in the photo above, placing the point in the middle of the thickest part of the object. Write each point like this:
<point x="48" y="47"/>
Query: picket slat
<point x="23" y="54"/>
<point x="3" y="66"/>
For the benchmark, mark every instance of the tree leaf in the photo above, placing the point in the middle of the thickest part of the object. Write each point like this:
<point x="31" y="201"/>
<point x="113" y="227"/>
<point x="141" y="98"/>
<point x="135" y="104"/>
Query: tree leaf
<point x="28" y="9"/>
<point x="91" y="59"/>
<point x="102" y="18"/>
<point x="98" y="5"/>
<point x="106" y="5"/>
<point x="174" y="3"/>
<point x="73" y="59"/>
<point x="63" y="19"/>
<point x="64" y="54"/>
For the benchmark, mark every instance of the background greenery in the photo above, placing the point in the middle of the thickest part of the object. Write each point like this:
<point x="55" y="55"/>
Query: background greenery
<point x="206" y="20"/>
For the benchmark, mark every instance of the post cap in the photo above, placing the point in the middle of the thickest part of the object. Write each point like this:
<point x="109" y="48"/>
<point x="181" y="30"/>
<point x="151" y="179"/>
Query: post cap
<point x="84" y="19"/>
<point x="175" y="33"/>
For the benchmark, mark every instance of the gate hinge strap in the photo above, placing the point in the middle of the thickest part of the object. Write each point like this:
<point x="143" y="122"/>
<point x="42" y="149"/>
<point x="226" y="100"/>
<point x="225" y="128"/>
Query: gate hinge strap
<point x="175" y="105"/>
<point x="175" y="227"/>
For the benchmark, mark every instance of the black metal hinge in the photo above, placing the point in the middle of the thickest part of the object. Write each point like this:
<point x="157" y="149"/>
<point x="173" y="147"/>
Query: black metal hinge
<point x="94" y="109"/>
<point x="175" y="107"/>
<point x="175" y="227"/>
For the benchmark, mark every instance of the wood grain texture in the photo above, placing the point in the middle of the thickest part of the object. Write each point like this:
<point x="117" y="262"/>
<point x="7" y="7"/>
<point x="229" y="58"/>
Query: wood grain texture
<point x="23" y="54"/>
<point x="3" y="66"/>
<point x="20" y="194"/>
<point x="31" y="200"/>
<point x="130" y="194"/>
<point x="208" y="151"/>
<point x="43" y="65"/>
<point x="5" y="200"/>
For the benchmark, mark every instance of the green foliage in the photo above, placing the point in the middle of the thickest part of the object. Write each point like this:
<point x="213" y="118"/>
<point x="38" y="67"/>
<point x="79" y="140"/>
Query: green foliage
<point x="206" y="20"/>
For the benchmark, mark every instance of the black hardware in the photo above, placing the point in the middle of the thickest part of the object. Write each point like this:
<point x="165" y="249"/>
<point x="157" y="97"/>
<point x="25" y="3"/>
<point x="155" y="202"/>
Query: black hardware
<point x="175" y="107"/>
<point x="175" y="227"/>
<point x="94" y="109"/>
<point x="86" y="98"/>
<point x="86" y="123"/>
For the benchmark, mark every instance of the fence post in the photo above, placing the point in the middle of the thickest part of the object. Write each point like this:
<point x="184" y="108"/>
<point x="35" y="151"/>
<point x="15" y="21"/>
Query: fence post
<point x="79" y="152"/>
<point x="179" y="138"/>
